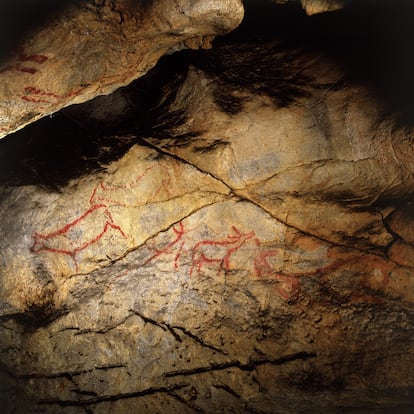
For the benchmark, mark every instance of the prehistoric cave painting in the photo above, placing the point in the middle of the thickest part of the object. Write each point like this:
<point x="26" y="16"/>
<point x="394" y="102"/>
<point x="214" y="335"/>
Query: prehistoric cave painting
<point x="76" y="235"/>
<point x="179" y="231"/>
<point x="218" y="252"/>
<point x="32" y="64"/>
<point x="39" y="96"/>
<point x="32" y="94"/>
<point x="281" y="268"/>
<point x="154" y="181"/>
<point x="26" y="63"/>
<point x="364" y="270"/>
<point x="286" y="284"/>
<point x="91" y="225"/>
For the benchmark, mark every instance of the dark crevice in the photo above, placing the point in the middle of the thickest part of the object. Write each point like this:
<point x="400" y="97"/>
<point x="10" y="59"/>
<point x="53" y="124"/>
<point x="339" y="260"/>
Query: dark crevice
<point x="199" y="340"/>
<point x="116" y="397"/>
<point x="102" y="330"/>
<point x="172" y="330"/>
<point x="227" y="389"/>
<point x="54" y="150"/>
<point x="85" y="393"/>
<point x="69" y="374"/>
<point x="249" y="366"/>
<point x="195" y="408"/>
<point x="162" y="325"/>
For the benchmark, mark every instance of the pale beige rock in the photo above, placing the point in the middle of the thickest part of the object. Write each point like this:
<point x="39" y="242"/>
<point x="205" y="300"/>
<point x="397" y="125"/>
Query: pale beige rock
<point x="321" y="6"/>
<point x="93" y="48"/>
<point x="317" y="6"/>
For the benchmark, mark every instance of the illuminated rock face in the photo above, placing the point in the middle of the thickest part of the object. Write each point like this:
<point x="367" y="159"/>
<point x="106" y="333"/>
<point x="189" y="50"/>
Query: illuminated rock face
<point x="242" y="243"/>
<point x="91" y="48"/>
<point x="321" y="6"/>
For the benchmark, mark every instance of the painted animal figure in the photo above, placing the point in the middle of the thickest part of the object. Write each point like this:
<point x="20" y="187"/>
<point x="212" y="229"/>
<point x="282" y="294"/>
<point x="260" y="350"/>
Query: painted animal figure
<point x="180" y="232"/>
<point x="153" y="184"/>
<point x="71" y="238"/>
<point x="218" y="251"/>
<point x="287" y="284"/>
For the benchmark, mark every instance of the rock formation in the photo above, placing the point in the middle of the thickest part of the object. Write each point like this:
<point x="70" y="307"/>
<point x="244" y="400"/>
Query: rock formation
<point x="233" y="232"/>
<point x="320" y="6"/>
<point x="92" y="48"/>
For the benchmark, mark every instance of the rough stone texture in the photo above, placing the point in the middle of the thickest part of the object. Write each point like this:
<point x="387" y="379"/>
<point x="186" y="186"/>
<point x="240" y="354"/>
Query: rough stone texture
<point x="252" y="255"/>
<point x="93" y="47"/>
<point x="317" y="6"/>
<point x="321" y="6"/>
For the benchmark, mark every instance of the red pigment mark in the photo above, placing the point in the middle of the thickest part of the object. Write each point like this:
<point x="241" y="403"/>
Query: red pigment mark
<point x="68" y="239"/>
<point x="32" y="71"/>
<point x="22" y="57"/>
<point x="218" y="251"/>
<point x="167" y="249"/>
<point x="33" y="94"/>
<point x="37" y="91"/>
<point x="115" y="195"/>
<point x="36" y="100"/>
<point x="73" y="93"/>
<point x="287" y="284"/>
<point x="31" y="90"/>
<point x="178" y="255"/>
<point x="290" y="281"/>
<point x="32" y="58"/>
<point x="19" y="68"/>
<point x="120" y="275"/>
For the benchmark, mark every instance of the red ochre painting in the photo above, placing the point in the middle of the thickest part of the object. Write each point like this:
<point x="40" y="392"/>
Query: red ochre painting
<point x="190" y="251"/>
<point x="212" y="253"/>
<point x="216" y="256"/>
<point x="69" y="239"/>
<point x="26" y="63"/>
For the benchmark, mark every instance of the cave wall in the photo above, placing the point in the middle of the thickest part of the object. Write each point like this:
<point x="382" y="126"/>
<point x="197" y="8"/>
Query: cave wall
<point x="233" y="232"/>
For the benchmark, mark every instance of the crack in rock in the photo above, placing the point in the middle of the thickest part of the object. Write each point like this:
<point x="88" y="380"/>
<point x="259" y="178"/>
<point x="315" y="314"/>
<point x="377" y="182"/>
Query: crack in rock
<point x="249" y="366"/>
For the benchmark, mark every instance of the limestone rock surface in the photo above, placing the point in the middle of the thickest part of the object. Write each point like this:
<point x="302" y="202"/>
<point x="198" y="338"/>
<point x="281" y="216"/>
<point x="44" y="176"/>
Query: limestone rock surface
<point x="321" y="6"/>
<point x="94" y="47"/>
<point x="251" y="252"/>
<point x="317" y="6"/>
